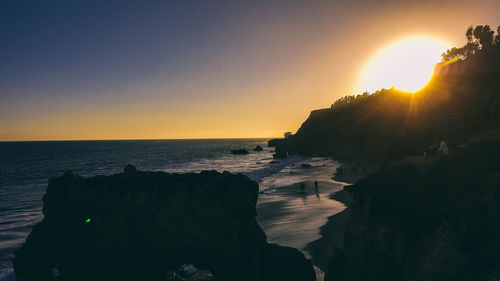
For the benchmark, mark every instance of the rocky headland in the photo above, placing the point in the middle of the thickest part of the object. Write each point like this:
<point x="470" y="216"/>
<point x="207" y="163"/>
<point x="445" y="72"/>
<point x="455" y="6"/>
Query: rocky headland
<point x="419" y="215"/>
<point x="390" y="125"/>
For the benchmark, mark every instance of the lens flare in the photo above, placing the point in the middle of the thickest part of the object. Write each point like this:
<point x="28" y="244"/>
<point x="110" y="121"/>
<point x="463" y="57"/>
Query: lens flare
<point x="407" y="64"/>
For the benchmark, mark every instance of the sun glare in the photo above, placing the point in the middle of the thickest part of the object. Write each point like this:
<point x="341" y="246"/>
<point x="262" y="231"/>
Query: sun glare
<point x="406" y="64"/>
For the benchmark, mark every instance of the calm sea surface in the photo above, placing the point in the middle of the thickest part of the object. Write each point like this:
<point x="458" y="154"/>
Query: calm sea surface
<point x="25" y="168"/>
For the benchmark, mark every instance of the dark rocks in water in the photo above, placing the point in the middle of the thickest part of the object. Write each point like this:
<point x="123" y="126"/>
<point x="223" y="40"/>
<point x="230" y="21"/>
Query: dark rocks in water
<point x="240" y="151"/>
<point x="142" y="225"/>
<point x="258" y="148"/>
<point x="129" y="169"/>
<point x="305" y="165"/>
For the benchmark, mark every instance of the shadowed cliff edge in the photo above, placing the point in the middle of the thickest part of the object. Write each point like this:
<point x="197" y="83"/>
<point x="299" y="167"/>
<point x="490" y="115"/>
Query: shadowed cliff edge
<point x="141" y="225"/>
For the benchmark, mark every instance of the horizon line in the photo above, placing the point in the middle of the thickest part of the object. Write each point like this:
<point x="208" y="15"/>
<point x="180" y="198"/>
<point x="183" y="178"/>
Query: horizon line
<point x="61" y="140"/>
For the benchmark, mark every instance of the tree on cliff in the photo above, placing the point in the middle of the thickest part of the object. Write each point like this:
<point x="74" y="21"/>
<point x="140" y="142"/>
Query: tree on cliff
<point x="349" y="99"/>
<point x="478" y="38"/>
<point x="497" y="38"/>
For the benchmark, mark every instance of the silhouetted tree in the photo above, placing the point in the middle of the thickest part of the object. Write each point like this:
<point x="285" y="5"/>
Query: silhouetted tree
<point x="478" y="38"/>
<point x="485" y="35"/>
<point x="349" y="99"/>
<point x="470" y="34"/>
<point x="497" y="38"/>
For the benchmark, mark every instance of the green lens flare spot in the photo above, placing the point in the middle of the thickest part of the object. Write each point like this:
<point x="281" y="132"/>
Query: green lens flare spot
<point x="87" y="220"/>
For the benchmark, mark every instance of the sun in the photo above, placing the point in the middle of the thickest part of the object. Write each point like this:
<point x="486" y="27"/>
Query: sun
<point x="406" y="64"/>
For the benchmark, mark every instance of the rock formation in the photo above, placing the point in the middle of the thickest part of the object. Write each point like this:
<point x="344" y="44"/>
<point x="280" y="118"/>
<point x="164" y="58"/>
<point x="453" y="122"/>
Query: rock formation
<point x="390" y="125"/>
<point x="425" y="219"/>
<point x="141" y="225"/>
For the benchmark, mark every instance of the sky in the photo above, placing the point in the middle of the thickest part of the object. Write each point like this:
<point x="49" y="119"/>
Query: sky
<point x="86" y="69"/>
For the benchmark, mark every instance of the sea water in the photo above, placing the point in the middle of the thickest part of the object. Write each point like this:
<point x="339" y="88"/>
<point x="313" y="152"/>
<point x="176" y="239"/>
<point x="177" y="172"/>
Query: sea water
<point x="25" y="168"/>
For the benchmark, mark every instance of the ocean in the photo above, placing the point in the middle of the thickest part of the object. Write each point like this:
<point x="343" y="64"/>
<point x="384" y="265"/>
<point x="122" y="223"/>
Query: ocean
<point x="25" y="168"/>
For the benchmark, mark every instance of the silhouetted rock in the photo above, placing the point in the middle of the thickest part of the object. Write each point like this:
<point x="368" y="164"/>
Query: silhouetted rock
<point x="390" y="124"/>
<point x="258" y="148"/>
<point x="142" y="225"/>
<point x="129" y="169"/>
<point x="280" y="153"/>
<point x="424" y="220"/>
<point x="274" y="142"/>
<point x="305" y="165"/>
<point x="188" y="272"/>
<point x="240" y="151"/>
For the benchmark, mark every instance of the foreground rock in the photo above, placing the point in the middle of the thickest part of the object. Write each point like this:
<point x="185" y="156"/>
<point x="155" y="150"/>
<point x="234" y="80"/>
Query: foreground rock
<point x="425" y="219"/>
<point x="143" y="225"/>
<point x="188" y="272"/>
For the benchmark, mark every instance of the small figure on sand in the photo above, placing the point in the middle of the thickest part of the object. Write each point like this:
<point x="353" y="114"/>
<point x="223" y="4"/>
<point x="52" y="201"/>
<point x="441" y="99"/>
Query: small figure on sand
<point x="316" y="188"/>
<point x="443" y="147"/>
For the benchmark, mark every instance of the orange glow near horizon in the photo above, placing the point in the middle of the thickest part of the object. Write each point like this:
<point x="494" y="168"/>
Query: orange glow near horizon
<point x="406" y="64"/>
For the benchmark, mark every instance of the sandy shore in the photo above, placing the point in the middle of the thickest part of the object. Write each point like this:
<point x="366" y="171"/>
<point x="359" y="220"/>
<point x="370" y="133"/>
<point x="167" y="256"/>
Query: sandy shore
<point x="310" y="220"/>
<point x="293" y="218"/>
<point x="290" y="217"/>
<point x="332" y="236"/>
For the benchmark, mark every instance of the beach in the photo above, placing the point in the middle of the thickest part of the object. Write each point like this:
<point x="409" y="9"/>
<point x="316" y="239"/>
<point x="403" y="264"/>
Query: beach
<point x="300" y="216"/>
<point x="296" y="218"/>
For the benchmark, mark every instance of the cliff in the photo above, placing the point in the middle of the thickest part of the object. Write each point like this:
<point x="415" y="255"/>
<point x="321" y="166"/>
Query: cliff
<point x="390" y="125"/>
<point x="425" y="219"/>
<point x="141" y="225"/>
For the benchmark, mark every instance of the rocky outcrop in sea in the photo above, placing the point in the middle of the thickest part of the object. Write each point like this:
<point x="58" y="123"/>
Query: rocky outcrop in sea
<point x="144" y="225"/>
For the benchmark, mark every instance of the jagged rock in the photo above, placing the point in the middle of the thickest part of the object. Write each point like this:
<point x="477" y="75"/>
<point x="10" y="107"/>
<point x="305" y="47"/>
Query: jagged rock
<point x="240" y="151"/>
<point x="258" y="148"/>
<point x="305" y="165"/>
<point x="142" y="225"/>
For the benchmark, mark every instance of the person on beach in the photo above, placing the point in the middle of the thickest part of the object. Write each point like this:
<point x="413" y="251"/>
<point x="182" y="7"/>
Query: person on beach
<point x="316" y="188"/>
<point x="443" y="147"/>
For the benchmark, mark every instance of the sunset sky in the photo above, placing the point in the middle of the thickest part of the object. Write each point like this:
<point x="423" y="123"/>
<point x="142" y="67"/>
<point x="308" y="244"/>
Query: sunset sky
<point x="197" y="69"/>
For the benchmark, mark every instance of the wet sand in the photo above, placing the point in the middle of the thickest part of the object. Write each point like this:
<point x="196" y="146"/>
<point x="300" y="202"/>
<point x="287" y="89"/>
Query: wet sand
<point x="332" y="236"/>
<point x="293" y="218"/>
<point x="305" y="218"/>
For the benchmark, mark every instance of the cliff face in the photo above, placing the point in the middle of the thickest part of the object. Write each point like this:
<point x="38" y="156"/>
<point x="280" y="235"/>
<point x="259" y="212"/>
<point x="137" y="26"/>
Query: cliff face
<point x="422" y="219"/>
<point x="390" y="125"/>
<point x="140" y="225"/>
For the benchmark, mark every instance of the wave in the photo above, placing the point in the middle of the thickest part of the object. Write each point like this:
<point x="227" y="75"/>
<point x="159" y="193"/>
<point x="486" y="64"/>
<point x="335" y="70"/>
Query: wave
<point x="7" y="274"/>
